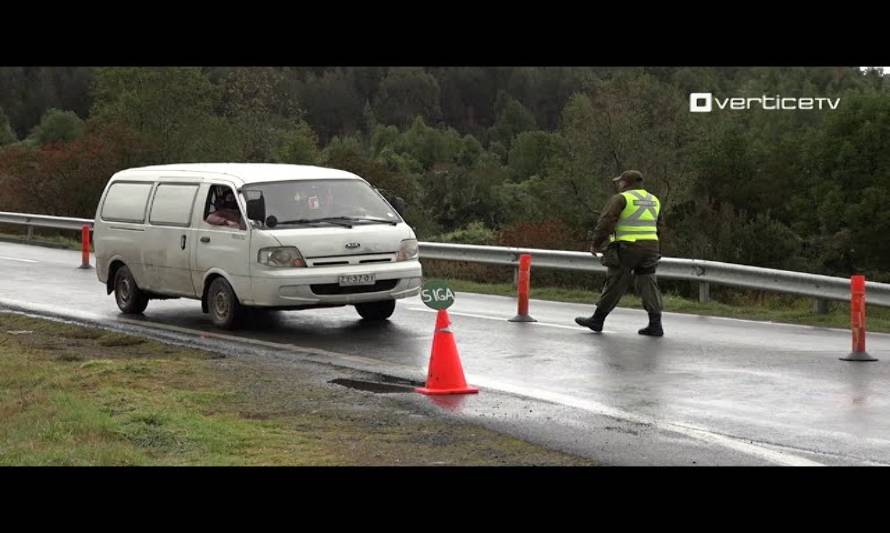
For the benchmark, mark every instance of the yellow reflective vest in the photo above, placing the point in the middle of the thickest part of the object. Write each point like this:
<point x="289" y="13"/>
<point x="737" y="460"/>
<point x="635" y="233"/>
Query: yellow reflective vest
<point x="638" y="220"/>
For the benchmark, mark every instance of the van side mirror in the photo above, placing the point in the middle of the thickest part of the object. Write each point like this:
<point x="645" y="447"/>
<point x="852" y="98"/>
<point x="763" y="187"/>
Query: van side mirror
<point x="256" y="206"/>
<point x="397" y="202"/>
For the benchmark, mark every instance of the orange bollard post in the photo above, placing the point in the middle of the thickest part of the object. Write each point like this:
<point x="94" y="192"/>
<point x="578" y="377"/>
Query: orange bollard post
<point x="85" y="247"/>
<point x="523" y="289"/>
<point x="857" y="320"/>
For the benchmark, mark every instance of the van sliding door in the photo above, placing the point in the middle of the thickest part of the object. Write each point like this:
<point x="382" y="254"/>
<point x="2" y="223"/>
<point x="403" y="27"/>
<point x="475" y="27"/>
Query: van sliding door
<point x="168" y="239"/>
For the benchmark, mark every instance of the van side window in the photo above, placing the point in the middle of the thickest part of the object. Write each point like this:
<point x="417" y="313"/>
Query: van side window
<point x="172" y="205"/>
<point x="221" y="208"/>
<point x="126" y="201"/>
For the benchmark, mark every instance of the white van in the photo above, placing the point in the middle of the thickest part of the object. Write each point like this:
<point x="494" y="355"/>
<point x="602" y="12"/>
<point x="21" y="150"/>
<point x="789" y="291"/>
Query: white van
<point x="237" y="235"/>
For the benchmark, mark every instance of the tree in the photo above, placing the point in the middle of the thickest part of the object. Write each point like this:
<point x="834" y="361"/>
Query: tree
<point x="342" y="149"/>
<point x="367" y="81"/>
<point x="171" y="107"/>
<point x="517" y="149"/>
<point x="533" y="152"/>
<point x="405" y="93"/>
<point x="512" y="119"/>
<point x="298" y="146"/>
<point x="575" y="184"/>
<point x="251" y="106"/>
<point x="428" y="145"/>
<point x="383" y="137"/>
<point x="454" y="195"/>
<point x="545" y="91"/>
<point x="57" y="126"/>
<point x="7" y="136"/>
<point x="470" y="151"/>
<point x="368" y="118"/>
<point x="467" y="96"/>
<point x="66" y="179"/>
<point x="27" y="92"/>
<point x="348" y="154"/>
<point x="332" y="103"/>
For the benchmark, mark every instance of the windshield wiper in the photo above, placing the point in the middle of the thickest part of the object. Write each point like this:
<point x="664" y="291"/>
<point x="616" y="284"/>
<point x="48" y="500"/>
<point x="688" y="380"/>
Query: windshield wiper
<point x="371" y="219"/>
<point x="332" y="220"/>
<point x="342" y="221"/>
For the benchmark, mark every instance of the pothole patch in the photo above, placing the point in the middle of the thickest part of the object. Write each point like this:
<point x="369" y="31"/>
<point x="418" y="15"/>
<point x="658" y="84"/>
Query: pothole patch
<point x="372" y="386"/>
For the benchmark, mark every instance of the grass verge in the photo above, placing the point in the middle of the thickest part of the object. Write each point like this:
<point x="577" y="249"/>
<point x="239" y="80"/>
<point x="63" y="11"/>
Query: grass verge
<point x="54" y="241"/>
<point x="71" y="395"/>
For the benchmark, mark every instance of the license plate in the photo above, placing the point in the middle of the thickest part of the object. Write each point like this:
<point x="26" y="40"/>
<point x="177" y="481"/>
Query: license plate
<point x="357" y="279"/>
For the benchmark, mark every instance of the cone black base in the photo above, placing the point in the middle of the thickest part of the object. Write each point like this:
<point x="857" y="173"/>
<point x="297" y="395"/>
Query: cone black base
<point x="522" y="318"/>
<point x="858" y="356"/>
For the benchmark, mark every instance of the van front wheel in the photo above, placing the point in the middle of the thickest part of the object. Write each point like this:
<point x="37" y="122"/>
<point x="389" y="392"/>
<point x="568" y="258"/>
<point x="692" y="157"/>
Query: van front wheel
<point x="129" y="297"/>
<point x="376" y="310"/>
<point x="225" y="311"/>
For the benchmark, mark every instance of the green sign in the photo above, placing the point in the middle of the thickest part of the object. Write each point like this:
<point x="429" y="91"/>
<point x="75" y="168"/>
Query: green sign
<point x="436" y="295"/>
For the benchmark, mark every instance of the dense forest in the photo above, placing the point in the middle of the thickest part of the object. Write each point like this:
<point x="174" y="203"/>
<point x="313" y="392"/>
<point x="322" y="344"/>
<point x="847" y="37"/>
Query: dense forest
<point x="492" y="155"/>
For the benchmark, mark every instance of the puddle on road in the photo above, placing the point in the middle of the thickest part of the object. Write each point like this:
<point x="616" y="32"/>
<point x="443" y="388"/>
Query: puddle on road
<point x="373" y="386"/>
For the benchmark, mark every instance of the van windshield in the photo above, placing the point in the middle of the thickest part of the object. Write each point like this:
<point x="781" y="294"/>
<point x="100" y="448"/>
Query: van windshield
<point x="331" y="201"/>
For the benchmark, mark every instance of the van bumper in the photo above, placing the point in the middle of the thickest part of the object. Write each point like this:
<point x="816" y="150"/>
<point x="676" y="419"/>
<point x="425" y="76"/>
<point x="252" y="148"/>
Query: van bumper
<point x="320" y="285"/>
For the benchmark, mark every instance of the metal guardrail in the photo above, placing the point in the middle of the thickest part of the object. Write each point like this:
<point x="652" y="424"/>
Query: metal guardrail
<point x="704" y="272"/>
<point x="43" y="221"/>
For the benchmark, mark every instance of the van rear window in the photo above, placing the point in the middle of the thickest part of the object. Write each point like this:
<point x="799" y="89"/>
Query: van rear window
<point x="172" y="205"/>
<point x="125" y="202"/>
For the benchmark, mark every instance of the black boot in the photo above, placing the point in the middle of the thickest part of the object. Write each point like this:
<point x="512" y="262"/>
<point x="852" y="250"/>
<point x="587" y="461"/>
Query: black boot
<point x="595" y="322"/>
<point x="654" y="327"/>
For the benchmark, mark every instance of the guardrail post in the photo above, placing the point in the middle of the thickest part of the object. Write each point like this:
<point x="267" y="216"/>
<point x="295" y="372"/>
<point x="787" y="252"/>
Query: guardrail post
<point x="857" y="320"/>
<point x="516" y="278"/>
<point x="704" y="292"/>
<point x="820" y="306"/>
<point x="30" y="233"/>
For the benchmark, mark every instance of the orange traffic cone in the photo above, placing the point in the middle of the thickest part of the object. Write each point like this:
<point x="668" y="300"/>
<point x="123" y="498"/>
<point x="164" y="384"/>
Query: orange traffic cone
<point x="446" y="375"/>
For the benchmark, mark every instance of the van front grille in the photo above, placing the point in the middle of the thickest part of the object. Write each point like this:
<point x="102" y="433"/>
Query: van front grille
<point x="354" y="259"/>
<point x="328" y="289"/>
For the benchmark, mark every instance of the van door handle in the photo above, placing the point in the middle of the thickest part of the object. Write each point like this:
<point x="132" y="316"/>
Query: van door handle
<point x="205" y="239"/>
<point x="182" y="242"/>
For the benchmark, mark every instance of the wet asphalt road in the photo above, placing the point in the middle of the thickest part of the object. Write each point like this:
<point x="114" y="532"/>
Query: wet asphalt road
<point x="712" y="391"/>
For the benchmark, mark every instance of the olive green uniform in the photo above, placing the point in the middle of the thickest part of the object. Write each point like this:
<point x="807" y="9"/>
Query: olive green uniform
<point x="627" y="261"/>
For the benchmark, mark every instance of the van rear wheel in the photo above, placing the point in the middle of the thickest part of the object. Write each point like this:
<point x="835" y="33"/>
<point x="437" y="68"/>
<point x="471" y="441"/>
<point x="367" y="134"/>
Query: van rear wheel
<point x="129" y="297"/>
<point x="225" y="311"/>
<point x="376" y="310"/>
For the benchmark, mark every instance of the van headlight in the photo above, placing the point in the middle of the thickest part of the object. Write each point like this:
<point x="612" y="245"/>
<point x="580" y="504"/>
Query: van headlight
<point x="281" y="257"/>
<point x="408" y="250"/>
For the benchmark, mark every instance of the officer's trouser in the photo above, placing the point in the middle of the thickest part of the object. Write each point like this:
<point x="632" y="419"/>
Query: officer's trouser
<point x="626" y="261"/>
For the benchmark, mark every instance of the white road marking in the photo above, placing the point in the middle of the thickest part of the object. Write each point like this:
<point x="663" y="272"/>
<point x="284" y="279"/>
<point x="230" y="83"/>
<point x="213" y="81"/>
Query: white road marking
<point x="686" y="315"/>
<point x="499" y="318"/>
<point x="17" y="259"/>
<point x="698" y="433"/>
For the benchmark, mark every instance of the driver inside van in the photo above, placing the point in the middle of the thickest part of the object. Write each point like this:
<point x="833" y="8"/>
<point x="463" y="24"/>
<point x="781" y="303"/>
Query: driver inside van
<point x="226" y="212"/>
<point x="318" y="200"/>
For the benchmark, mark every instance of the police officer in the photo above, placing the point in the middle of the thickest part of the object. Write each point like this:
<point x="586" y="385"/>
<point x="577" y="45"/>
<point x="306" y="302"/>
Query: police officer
<point x="630" y="225"/>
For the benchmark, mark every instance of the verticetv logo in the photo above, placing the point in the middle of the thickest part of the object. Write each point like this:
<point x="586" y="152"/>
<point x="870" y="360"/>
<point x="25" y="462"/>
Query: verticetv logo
<point x="704" y="103"/>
